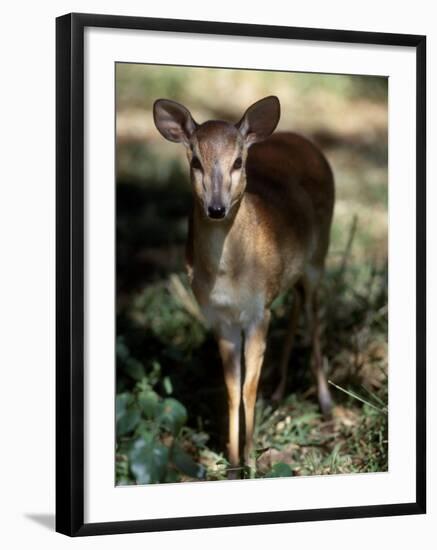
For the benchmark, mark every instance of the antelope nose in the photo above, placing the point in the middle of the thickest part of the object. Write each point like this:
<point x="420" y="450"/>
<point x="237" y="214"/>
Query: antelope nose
<point x="216" y="212"/>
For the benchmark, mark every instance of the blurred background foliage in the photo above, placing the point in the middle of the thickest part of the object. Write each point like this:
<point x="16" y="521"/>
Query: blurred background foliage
<point x="171" y="410"/>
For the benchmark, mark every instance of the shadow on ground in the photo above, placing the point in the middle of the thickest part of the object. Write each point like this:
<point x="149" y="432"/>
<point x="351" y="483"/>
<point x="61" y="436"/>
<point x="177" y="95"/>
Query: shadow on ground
<point x="46" y="520"/>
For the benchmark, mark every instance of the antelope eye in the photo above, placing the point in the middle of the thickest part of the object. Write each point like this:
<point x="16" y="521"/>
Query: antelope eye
<point x="237" y="164"/>
<point x="195" y="164"/>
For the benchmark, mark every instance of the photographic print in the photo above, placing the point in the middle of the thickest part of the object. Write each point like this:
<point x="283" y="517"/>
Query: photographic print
<point x="240" y="330"/>
<point x="251" y="274"/>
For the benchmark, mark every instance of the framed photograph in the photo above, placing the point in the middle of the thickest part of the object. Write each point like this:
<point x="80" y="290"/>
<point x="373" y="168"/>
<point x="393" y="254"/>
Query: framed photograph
<point x="240" y="274"/>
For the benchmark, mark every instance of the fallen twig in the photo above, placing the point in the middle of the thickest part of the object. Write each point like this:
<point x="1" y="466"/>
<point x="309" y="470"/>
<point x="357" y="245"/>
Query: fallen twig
<point x="355" y="396"/>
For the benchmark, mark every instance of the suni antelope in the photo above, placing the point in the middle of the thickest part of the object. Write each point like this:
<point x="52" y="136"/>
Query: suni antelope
<point x="260" y="225"/>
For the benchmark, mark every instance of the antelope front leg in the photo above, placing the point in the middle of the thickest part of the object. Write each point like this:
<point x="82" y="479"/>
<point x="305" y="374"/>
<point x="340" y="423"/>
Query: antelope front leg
<point x="229" y="342"/>
<point x="254" y="347"/>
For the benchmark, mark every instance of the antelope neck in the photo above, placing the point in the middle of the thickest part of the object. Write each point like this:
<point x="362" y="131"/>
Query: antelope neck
<point x="211" y="236"/>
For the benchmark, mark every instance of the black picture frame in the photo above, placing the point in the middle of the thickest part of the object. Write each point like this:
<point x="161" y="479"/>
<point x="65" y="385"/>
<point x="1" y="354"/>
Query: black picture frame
<point x="70" y="272"/>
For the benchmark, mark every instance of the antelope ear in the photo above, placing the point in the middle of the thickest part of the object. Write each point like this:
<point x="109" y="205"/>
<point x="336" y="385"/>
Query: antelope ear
<point x="173" y="121"/>
<point x="260" y="119"/>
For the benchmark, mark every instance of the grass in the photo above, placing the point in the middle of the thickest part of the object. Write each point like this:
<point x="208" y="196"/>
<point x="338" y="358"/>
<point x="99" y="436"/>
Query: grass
<point x="172" y="401"/>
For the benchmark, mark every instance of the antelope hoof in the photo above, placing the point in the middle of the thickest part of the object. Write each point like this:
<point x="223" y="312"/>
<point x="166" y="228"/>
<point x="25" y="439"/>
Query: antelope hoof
<point x="233" y="473"/>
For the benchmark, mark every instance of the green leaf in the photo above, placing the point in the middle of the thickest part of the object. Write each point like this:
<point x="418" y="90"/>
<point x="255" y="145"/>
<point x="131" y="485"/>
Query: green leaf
<point x="155" y="374"/>
<point x="148" y="401"/>
<point x="122" y="400"/>
<point x="145" y="430"/>
<point x="172" y="476"/>
<point x="167" y="385"/>
<point x="121" y="349"/>
<point x="173" y="415"/>
<point x="148" y="461"/>
<point x="134" y="369"/>
<point x="185" y="464"/>
<point x="128" y="420"/>
<point x="280" y="469"/>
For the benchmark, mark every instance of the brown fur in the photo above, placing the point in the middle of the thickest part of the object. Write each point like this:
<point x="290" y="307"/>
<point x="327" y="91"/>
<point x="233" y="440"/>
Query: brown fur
<point x="260" y="225"/>
<point x="287" y="204"/>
